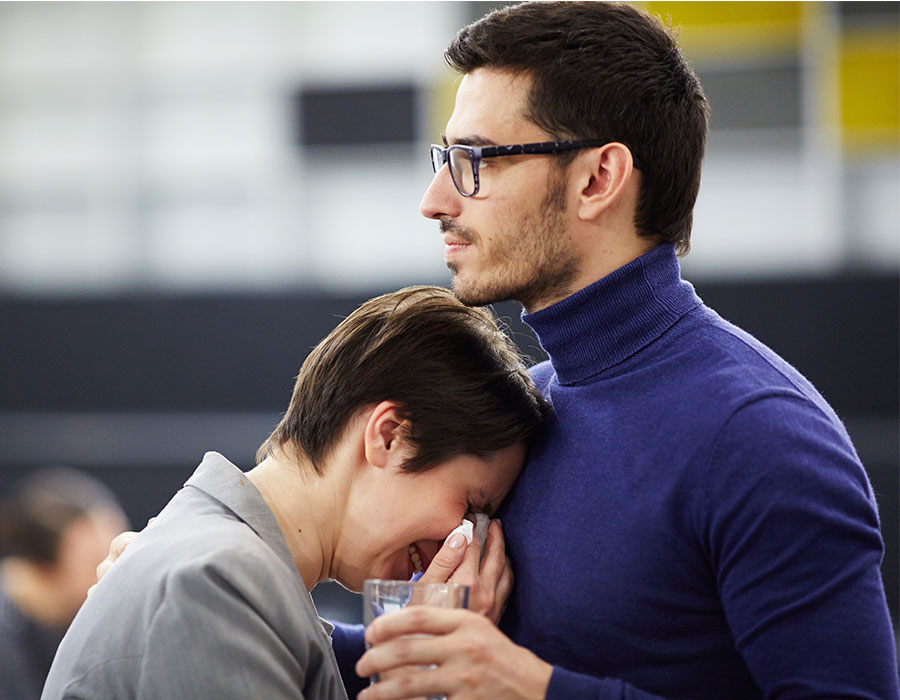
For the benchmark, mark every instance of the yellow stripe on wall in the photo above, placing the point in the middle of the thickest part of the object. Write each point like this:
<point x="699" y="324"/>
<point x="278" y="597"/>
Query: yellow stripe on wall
<point x="733" y="29"/>
<point x="441" y="101"/>
<point x="869" y="74"/>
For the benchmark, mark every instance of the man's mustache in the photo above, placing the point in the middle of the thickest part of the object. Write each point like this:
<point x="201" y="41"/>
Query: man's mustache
<point x="450" y="226"/>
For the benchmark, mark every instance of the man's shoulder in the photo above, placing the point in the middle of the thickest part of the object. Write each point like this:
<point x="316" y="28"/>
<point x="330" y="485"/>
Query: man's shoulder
<point x="714" y="351"/>
<point x="752" y="389"/>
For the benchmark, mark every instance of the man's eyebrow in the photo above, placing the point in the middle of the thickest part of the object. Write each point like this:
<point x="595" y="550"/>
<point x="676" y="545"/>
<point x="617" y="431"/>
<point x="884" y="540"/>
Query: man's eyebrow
<point x="469" y="141"/>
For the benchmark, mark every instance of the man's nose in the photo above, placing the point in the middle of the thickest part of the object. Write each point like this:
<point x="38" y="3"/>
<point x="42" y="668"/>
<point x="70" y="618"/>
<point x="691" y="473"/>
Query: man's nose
<point x="441" y="198"/>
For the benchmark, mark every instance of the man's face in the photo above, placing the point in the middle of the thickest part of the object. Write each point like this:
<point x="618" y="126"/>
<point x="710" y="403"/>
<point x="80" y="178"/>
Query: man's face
<point x="83" y="544"/>
<point x="511" y="240"/>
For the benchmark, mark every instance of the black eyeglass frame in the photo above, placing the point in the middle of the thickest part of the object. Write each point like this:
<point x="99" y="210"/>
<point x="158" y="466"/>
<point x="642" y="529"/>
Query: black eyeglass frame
<point x="441" y="154"/>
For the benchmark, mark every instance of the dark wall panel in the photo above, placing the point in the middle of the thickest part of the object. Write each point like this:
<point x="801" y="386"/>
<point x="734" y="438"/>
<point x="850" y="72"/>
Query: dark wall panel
<point x="240" y="353"/>
<point x="134" y="389"/>
<point x="357" y="115"/>
<point x="164" y="354"/>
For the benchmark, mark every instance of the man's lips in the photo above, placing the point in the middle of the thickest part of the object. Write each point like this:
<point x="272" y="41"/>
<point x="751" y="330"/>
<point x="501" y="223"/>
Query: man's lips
<point x="454" y="240"/>
<point x="455" y="237"/>
<point x="453" y="246"/>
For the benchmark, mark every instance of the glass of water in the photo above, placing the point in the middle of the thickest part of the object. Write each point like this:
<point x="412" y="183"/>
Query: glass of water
<point x="381" y="597"/>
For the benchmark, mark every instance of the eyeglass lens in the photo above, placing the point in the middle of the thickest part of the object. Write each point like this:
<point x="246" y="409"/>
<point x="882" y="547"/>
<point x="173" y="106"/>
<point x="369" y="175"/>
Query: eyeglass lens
<point x="437" y="158"/>
<point x="462" y="170"/>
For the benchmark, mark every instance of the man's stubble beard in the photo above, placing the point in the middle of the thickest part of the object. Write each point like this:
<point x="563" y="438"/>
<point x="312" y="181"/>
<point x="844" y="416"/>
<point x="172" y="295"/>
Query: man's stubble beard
<point x="532" y="266"/>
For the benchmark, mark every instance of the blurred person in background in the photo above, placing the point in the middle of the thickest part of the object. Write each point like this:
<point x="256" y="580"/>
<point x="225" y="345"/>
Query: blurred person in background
<point x="56" y="524"/>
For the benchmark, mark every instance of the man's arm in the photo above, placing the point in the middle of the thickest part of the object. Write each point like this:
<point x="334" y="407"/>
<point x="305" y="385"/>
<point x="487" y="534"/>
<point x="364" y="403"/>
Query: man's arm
<point x="473" y="659"/>
<point x="349" y="645"/>
<point x="793" y="537"/>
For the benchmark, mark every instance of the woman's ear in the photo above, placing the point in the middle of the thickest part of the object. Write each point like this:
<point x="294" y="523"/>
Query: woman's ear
<point x="607" y="171"/>
<point x="384" y="436"/>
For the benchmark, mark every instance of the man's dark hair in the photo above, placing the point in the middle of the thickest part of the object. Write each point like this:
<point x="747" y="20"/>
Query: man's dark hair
<point x="460" y="383"/>
<point x="605" y="71"/>
<point x="42" y="504"/>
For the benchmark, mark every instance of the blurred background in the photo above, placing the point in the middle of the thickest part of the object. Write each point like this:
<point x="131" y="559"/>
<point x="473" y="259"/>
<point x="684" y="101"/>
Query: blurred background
<point x="192" y="195"/>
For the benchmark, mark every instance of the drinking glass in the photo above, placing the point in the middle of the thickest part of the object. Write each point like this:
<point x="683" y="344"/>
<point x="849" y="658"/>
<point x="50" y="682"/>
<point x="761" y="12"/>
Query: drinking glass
<point x="381" y="597"/>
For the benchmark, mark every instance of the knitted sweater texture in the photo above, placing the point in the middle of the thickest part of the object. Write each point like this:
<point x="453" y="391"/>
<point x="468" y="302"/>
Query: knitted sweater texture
<point x="694" y="522"/>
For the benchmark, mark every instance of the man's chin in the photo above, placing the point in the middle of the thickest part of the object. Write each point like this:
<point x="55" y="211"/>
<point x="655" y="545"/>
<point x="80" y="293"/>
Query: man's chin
<point x="467" y="293"/>
<point x="474" y="295"/>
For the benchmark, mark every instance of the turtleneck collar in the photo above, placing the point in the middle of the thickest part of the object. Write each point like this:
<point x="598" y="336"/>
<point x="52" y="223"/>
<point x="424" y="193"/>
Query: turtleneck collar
<point x="610" y="320"/>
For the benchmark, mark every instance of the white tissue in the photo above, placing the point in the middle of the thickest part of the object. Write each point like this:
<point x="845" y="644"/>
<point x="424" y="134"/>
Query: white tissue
<point x="482" y="521"/>
<point x="465" y="527"/>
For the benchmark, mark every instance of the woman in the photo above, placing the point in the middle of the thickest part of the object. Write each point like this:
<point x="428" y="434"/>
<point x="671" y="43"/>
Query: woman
<point x="412" y="412"/>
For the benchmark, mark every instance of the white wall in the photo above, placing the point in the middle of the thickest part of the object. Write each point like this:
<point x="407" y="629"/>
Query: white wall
<point x="150" y="145"/>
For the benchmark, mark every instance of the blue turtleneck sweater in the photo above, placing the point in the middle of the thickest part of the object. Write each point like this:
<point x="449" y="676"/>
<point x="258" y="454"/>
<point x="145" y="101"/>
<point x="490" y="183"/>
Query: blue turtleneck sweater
<point x="693" y="522"/>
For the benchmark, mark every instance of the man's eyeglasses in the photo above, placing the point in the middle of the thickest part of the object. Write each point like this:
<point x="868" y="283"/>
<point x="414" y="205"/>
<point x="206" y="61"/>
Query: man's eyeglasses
<point x="465" y="160"/>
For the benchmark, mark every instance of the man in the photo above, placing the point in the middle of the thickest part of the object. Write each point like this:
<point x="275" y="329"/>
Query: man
<point x="55" y="526"/>
<point x="695" y="523"/>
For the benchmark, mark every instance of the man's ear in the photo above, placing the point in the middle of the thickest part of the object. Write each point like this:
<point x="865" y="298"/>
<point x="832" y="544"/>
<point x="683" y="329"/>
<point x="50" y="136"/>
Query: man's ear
<point x="384" y="436"/>
<point x="604" y="175"/>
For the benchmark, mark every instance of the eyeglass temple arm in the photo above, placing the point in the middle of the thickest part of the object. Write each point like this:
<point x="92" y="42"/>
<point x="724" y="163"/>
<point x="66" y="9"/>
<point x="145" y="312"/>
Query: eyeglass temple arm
<point x="548" y="147"/>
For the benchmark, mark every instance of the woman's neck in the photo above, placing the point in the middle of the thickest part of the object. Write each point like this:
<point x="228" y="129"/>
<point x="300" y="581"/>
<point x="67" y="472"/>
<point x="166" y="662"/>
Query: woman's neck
<point x="307" y="506"/>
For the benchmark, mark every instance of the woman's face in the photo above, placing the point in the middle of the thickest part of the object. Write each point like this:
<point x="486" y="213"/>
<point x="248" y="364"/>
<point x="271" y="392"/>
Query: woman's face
<point x="392" y="513"/>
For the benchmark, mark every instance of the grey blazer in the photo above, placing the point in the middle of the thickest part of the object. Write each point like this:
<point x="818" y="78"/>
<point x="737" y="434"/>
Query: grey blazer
<point x="206" y="603"/>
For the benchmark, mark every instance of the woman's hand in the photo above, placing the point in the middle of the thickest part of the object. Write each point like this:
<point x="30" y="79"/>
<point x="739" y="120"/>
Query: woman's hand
<point x="489" y="577"/>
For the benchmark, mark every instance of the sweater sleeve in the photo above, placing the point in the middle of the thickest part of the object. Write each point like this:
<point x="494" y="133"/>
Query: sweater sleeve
<point x="567" y="685"/>
<point x="794" y="543"/>
<point x="349" y="644"/>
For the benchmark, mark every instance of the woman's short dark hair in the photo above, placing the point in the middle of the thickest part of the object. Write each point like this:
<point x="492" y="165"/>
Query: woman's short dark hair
<point x="605" y="71"/>
<point x="458" y="380"/>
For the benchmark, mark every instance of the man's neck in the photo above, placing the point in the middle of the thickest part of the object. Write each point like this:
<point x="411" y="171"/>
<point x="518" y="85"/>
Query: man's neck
<point x="601" y="262"/>
<point x="30" y="586"/>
